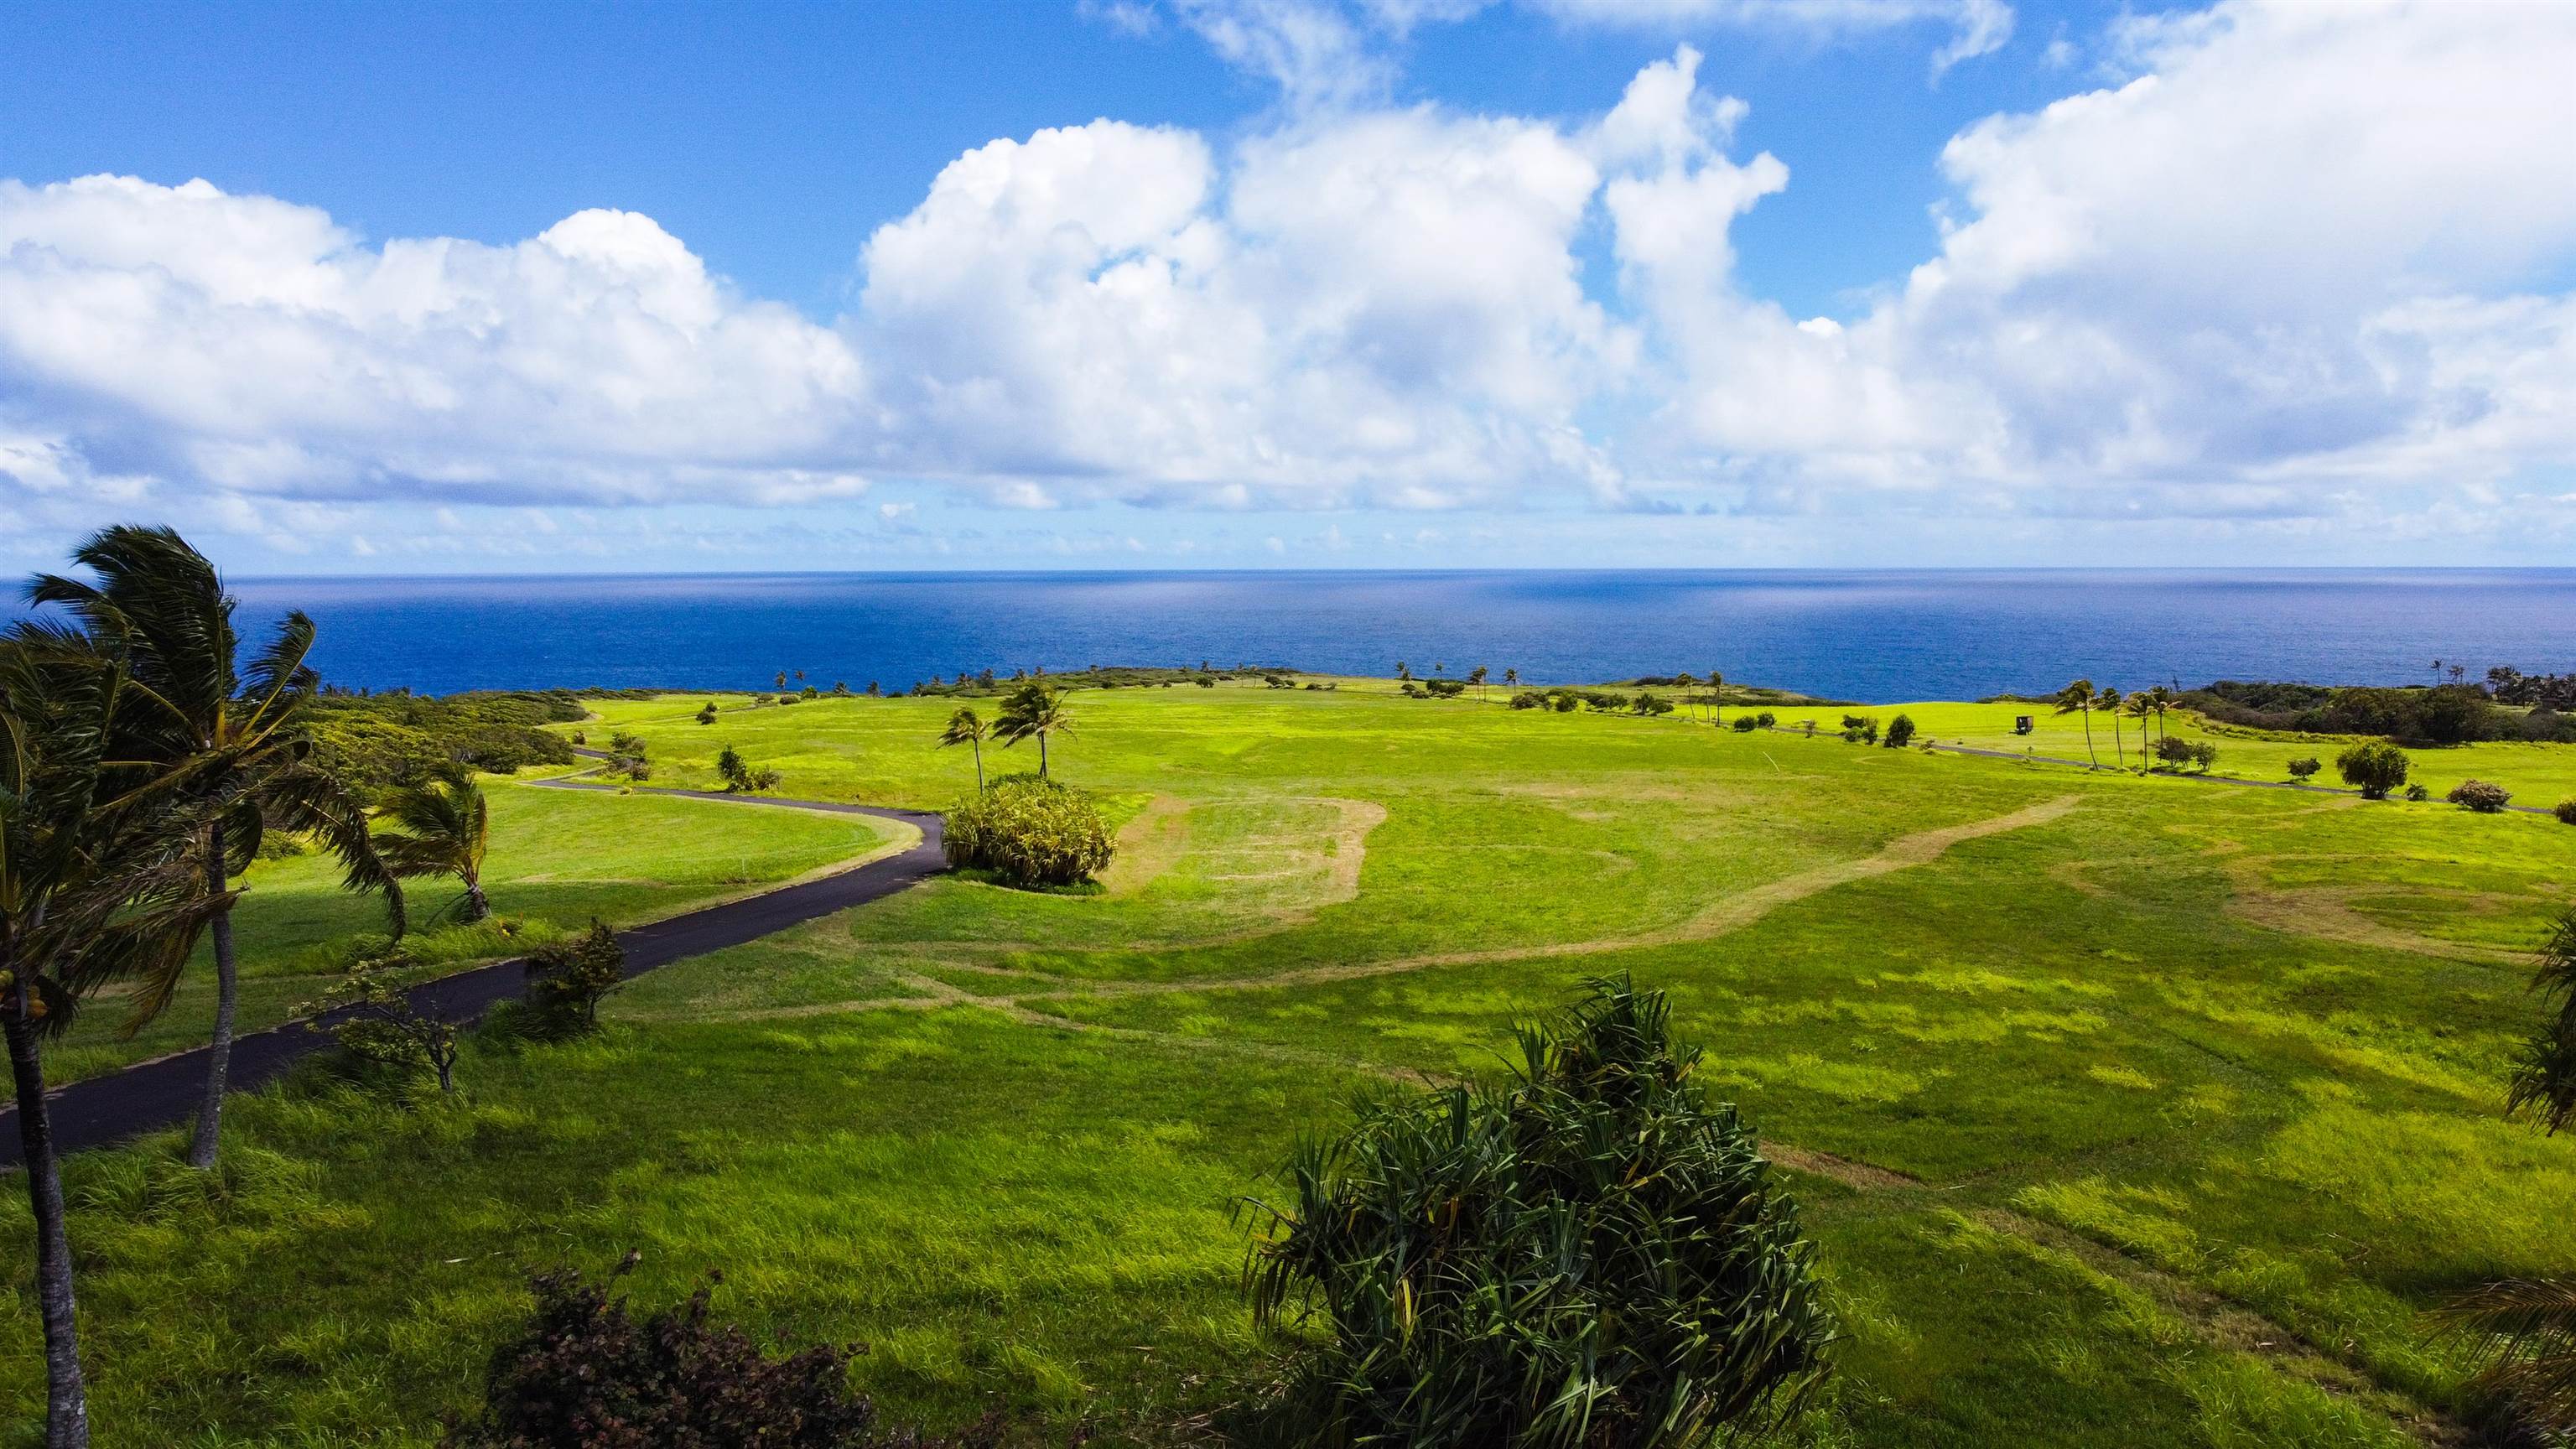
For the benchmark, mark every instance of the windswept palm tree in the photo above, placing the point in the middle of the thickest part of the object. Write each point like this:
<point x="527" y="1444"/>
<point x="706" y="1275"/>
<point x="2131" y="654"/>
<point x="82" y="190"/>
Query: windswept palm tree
<point x="2545" y="1082"/>
<point x="1511" y="677"/>
<point x="1683" y="682"/>
<point x="966" y="727"/>
<point x="193" y="726"/>
<point x="2109" y="701"/>
<point x="2141" y="707"/>
<point x="1403" y="670"/>
<point x="89" y="893"/>
<point x="1032" y="711"/>
<point x="1476" y="677"/>
<point x="1716" y="698"/>
<point x="2077" y="697"/>
<point x="442" y="825"/>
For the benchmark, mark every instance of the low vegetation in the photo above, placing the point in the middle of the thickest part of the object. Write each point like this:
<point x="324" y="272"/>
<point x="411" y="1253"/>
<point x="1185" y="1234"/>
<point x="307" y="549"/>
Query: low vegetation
<point x="1590" y="1253"/>
<point x="1028" y="831"/>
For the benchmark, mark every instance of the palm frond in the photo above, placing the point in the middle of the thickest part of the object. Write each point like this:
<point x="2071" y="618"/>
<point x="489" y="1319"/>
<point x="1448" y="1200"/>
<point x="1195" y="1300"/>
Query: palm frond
<point x="2525" y="1331"/>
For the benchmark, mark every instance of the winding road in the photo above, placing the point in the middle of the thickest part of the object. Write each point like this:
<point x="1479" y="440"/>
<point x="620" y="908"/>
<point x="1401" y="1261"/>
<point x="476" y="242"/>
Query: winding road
<point x="166" y="1090"/>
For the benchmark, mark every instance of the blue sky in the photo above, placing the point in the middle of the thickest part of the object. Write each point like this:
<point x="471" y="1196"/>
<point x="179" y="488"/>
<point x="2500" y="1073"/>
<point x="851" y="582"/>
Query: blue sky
<point x="487" y="288"/>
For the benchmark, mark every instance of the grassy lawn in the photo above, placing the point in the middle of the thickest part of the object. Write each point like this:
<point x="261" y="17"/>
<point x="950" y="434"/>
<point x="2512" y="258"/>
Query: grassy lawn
<point x="2125" y="1111"/>
<point x="557" y="858"/>
<point x="2536" y="774"/>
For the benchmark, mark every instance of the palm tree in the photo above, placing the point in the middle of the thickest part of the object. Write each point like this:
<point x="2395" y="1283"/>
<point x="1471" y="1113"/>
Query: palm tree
<point x="2075" y="697"/>
<point x="1511" y="677"/>
<point x="1716" y="698"/>
<point x="2164" y="700"/>
<point x="1032" y="711"/>
<point x="2546" y="1081"/>
<point x="1683" y="681"/>
<point x="1403" y="670"/>
<point x="444" y="825"/>
<point x="89" y="893"/>
<point x="966" y="727"/>
<point x="1476" y="677"/>
<point x="2142" y="706"/>
<point x="196" y="728"/>
<point x="2109" y="701"/>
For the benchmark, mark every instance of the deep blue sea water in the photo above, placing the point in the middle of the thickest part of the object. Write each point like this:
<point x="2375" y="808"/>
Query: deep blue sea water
<point x="1876" y="636"/>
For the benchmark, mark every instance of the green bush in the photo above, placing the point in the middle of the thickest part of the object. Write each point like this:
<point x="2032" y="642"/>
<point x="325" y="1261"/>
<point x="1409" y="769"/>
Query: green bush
<point x="2566" y="811"/>
<point x="2304" y="769"/>
<point x="1028" y="831"/>
<point x="566" y="980"/>
<point x="2374" y="768"/>
<point x="1590" y="1253"/>
<point x="1746" y="724"/>
<point x="1899" y="731"/>
<point x="1529" y="699"/>
<point x="2480" y="796"/>
<point x="2418" y="792"/>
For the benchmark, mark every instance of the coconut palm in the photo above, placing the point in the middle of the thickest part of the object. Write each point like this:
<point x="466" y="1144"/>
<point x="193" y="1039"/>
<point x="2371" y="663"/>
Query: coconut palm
<point x="2545" y="1084"/>
<point x="194" y="726"/>
<point x="2141" y="707"/>
<point x="2078" y="697"/>
<point x="1476" y="677"/>
<point x="442" y="825"/>
<point x="1716" y="698"/>
<point x="89" y="893"/>
<point x="1032" y="711"/>
<point x="1511" y="677"/>
<point x="1683" y="681"/>
<point x="966" y="727"/>
<point x="2109" y="701"/>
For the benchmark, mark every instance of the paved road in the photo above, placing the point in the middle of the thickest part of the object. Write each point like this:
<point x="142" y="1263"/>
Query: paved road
<point x="166" y="1090"/>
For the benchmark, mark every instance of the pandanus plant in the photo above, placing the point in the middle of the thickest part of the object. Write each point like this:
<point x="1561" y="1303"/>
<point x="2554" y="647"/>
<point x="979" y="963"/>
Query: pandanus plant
<point x="194" y="727"/>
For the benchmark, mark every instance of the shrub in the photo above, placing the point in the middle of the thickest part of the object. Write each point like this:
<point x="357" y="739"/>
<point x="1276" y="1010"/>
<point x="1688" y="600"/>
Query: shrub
<point x="1745" y="724"/>
<point x="707" y="713"/>
<point x="1565" y="703"/>
<point x="586" y="1374"/>
<point x="382" y="1033"/>
<point x="1899" y="730"/>
<point x="740" y="777"/>
<point x="1590" y="1253"/>
<point x="567" y="979"/>
<point x="2479" y="796"/>
<point x="1028" y="832"/>
<point x="2304" y="769"/>
<point x="1205" y="681"/>
<point x="1446" y="688"/>
<point x="2374" y="768"/>
<point x="2418" y="792"/>
<point x="2198" y="753"/>
<point x="2566" y="811"/>
<point x="1860" y="729"/>
<point x="1529" y="699"/>
<point x="1766" y="719"/>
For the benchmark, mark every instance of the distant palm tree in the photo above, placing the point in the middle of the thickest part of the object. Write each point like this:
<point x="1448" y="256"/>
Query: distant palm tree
<point x="1403" y="670"/>
<point x="2141" y="707"/>
<point x="1683" y="681"/>
<point x="1032" y="711"/>
<point x="966" y="727"/>
<point x="2109" y="701"/>
<point x="200" y="730"/>
<point x="1511" y="677"/>
<point x="444" y="824"/>
<point x="1716" y="698"/>
<point x="1476" y="677"/>
<point x="2164" y="700"/>
<point x="2076" y="697"/>
<point x="782" y="679"/>
<point x="89" y="893"/>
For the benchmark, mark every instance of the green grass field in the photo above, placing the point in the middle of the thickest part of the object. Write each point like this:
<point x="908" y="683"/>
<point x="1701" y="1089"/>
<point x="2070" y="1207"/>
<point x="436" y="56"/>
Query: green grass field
<point x="557" y="859"/>
<point x="2125" y="1110"/>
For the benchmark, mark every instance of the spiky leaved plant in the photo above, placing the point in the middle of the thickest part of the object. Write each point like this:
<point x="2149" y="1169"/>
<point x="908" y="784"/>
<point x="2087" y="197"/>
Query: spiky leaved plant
<point x="1590" y="1253"/>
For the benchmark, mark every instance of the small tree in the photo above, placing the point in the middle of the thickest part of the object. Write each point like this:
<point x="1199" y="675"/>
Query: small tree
<point x="1900" y="731"/>
<point x="2304" y="769"/>
<point x="371" y="1015"/>
<point x="566" y="980"/>
<point x="740" y="777"/>
<point x="2566" y="811"/>
<point x="2374" y="767"/>
<point x="707" y="713"/>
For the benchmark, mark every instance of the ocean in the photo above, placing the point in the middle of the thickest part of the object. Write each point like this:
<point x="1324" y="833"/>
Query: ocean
<point x="1877" y="636"/>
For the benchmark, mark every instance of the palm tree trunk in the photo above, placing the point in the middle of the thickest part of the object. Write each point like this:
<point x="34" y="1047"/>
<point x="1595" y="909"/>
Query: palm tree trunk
<point x="66" y="1402"/>
<point x="979" y="766"/>
<point x="2088" y="740"/>
<point x="477" y="906"/>
<point x="2119" y="742"/>
<point x="219" y="1050"/>
<point x="1042" y="774"/>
